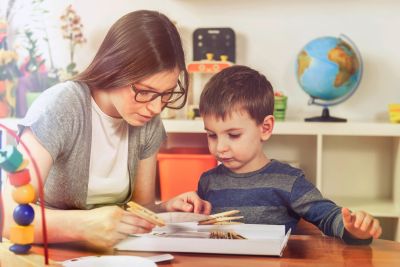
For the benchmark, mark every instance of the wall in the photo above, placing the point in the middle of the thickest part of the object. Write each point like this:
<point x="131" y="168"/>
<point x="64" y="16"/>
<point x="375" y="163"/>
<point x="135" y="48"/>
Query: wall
<point x="270" y="33"/>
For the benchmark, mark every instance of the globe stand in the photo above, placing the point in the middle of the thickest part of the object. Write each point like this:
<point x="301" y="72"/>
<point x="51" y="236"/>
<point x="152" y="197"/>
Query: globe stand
<point x="325" y="117"/>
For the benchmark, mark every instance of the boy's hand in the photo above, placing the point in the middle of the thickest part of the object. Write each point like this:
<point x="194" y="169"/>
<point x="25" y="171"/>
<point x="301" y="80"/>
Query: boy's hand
<point x="360" y="224"/>
<point x="188" y="202"/>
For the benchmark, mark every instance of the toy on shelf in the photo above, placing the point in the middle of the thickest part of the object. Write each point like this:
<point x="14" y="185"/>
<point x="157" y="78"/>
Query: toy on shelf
<point x="280" y="106"/>
<point x="209" y="65"/>
<point x="22" y="232"/>
<point x="214" y="49"/>
<point x="218" y="41"/>
<point x="394" y="113"/>
<point x="200" y="72"/>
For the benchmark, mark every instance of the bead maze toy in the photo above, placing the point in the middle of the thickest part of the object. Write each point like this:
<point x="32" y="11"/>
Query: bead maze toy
<point x="200" y="72"/>
<point x="22" y="232"/>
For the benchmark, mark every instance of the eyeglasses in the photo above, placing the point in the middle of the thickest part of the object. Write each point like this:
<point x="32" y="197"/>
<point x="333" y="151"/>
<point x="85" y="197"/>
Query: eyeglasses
<point x="168" y="98"/>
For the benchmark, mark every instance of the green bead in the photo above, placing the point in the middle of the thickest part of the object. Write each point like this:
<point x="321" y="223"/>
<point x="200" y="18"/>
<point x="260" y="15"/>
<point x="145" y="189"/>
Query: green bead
<point x="10" y="158"/>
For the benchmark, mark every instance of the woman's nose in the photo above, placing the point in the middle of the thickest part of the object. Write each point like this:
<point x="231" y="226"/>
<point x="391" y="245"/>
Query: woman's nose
<point x="155" y="106"/>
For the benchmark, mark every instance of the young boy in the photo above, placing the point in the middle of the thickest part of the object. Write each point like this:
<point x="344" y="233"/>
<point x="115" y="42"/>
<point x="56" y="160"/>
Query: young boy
<point x="237" y="108"/>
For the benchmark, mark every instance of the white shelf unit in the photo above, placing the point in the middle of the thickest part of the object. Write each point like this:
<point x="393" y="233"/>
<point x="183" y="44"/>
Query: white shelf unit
<point x="356" y="164"/>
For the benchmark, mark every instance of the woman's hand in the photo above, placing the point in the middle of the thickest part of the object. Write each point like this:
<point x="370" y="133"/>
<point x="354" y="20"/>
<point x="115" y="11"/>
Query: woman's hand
<point x="106" y="226"/>
<point x="360" y="224"/>
<point x="188" y="202"/>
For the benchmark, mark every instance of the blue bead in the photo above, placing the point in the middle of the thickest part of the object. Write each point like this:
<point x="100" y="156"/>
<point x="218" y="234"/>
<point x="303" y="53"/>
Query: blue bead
<point x="20" y="249"/>
<point x="24" y="214"/>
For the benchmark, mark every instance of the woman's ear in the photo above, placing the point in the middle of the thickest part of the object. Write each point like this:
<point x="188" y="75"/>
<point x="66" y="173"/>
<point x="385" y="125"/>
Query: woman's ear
<point x="266" y="127"/>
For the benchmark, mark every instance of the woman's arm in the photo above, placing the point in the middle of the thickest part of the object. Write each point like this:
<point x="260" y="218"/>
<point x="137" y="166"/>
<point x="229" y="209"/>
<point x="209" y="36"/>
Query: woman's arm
<point x="145" y="182"/>
<point x="55" y="219"/>
<point x="102" y="227"/>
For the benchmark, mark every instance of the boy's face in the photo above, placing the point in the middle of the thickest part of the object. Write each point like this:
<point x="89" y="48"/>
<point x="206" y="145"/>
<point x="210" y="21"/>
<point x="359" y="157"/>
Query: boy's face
<point x="237" y="141"/>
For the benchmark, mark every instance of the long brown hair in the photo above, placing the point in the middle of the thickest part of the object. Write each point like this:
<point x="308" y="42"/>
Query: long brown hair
<point x="237" y="88"/>
<point x="138" y="45"/>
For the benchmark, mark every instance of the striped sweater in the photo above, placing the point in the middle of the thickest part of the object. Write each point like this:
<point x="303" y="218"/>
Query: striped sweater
<point x="275" y="194"/>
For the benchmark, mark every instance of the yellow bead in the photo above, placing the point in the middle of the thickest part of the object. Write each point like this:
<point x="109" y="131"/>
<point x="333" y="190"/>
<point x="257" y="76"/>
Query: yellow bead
<point x="24" y="194"/>
<point x="22" y="234"/>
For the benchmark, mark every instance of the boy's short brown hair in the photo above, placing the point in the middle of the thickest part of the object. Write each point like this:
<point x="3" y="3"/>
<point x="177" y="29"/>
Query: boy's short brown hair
<point x="237" y="88"/>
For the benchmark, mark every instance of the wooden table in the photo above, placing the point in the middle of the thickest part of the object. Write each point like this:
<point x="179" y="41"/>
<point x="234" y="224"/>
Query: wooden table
<point x="302" y="250"/>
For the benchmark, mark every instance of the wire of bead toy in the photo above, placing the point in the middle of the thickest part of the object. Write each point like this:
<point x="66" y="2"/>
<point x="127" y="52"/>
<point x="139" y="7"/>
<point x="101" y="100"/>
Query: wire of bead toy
<point x="40" y="189"/>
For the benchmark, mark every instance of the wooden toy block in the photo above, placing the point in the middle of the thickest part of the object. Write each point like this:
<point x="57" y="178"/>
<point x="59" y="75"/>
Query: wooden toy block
<point x="23" y="165"/>
<point x="10" y="158"/>
<point x="22" y="234"/>
<point x="19" y="178"/>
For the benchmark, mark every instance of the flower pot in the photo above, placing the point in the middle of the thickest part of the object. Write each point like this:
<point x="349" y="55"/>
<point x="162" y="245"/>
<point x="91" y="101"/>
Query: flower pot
<point x="4" y="109"/>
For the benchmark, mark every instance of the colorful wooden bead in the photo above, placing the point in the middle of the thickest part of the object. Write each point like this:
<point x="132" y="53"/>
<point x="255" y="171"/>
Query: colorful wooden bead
<point x="20" y="249"/>
<point x="10" y="158"/>
<point x="22" y="235"/>
<point x="23" y="165"/>
<point x="24" y="194"/>
<point x="19" y="178"/>
<point x="24" y="214"/>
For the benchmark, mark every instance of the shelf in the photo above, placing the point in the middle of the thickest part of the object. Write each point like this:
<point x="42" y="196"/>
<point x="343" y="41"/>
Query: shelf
<point x="301" y="128"/>
<point x="281" y="128"/>
<point x="184" y="126"/>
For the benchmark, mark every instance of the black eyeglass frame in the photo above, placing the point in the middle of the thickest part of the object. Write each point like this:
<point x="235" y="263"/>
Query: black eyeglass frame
<point x="182" y="92"/>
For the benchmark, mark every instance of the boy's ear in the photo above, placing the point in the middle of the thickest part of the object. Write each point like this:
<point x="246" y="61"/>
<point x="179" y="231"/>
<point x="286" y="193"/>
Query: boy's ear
<point x="266" y="127"/>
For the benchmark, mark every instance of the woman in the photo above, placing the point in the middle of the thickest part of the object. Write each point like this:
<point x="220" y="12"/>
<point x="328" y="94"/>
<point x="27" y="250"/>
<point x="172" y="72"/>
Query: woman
<point x="95" y="138"/>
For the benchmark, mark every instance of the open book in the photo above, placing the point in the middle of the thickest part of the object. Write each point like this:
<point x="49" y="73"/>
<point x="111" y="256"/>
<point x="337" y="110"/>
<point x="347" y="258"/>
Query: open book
<point x="191" y="237"/>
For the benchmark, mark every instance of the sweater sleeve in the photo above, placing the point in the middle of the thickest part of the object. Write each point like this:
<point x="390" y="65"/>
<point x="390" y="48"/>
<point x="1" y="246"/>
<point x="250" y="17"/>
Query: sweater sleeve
<point x="55" y="118"/>
<point x="202" y="187"/>
<point x="154" y="134"/>
<point x="308" y="202"/>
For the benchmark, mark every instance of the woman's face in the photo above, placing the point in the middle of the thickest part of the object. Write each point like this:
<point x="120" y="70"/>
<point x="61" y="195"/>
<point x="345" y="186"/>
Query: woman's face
<point x="136" y="113"/>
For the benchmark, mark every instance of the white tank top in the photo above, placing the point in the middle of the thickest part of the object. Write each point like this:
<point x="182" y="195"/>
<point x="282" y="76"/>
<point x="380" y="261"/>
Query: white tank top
<point x="108" y="171"/>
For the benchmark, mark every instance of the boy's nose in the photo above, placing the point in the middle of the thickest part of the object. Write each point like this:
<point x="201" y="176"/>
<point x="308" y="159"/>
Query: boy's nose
<point x="221" y="147"/>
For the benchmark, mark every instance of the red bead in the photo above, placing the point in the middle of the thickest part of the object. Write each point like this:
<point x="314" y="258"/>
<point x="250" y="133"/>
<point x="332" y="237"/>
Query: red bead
<point x="19" y="178"/>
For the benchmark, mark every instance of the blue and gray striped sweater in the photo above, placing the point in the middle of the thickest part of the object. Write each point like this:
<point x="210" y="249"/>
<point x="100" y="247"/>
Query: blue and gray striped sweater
<point x="275" y="194"/>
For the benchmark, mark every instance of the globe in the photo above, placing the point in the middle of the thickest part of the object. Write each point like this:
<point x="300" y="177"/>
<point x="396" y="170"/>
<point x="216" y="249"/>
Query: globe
<point x="329" y="70"/>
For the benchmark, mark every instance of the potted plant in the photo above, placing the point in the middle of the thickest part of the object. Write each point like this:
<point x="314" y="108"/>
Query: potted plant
<point x="8" y="75"/>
